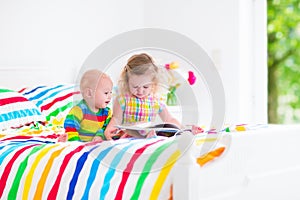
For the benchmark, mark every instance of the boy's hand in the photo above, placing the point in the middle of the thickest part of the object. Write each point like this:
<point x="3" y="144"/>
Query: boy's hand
<point x="97" y="139"/>
<point x="62" y="137"/>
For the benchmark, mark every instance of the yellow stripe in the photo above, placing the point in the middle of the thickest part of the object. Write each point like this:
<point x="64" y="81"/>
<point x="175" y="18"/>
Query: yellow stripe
<point x="109" y="114"/>
<point x="201" y="141"/>
<point x="86" y="138"/>
<point x="40" y="187"/>
<point x="77" y="112"/>
<point x="29" y="176"/>
<point x="163" y="174"/>
<point x="91" y="126"/>
<point x="72" y="134"/>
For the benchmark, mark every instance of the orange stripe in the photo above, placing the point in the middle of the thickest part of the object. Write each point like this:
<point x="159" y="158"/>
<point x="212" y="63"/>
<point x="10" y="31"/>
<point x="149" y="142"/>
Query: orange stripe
<point x="210" y="156"/>
<point x="30" y="174"/>
<point x="40" y="187"/>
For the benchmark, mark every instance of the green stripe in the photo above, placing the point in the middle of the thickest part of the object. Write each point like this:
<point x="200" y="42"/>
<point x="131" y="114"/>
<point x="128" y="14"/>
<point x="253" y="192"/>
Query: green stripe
<point x="72" y="117"/>
<point x="75" y="138"/>
<point x="58" y="110"/>
<point x="147" y="168"/>
<point x="16" y="183"/>
<point x="5" y="90"/>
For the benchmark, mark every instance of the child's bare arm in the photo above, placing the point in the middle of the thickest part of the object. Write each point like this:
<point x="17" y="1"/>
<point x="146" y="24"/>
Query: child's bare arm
<point x="166" y="117"/>
<point x="115" y="120"/>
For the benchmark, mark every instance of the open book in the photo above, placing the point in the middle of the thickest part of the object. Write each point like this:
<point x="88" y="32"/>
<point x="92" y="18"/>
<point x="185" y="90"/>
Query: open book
<point x="162" y="129"/>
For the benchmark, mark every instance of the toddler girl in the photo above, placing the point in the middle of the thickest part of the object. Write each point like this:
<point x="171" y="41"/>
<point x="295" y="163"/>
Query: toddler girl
<point x="138" y="101"/>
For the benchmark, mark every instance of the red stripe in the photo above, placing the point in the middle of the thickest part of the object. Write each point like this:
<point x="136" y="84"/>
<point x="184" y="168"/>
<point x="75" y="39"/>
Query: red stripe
<point x="53" y="136"/>
<point x="8" y="167"/>
<point x="23" y="137"/>
<point x="20" y="91"/>
<point x="70" y="129"/>
<point x="55" y="187"/>
<point x="12" y="100"/>
<point x="128" y="169"/>
<point x="49" y="105"/>
<point x="101" y="118"/>
<point x="19" y="137"/>
<point x="95" y="118"/>
<point x="26" y="124"/>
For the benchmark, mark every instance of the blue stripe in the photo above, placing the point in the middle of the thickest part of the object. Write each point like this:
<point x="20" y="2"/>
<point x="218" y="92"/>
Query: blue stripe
<point x="33" y="141"/>
<point x="40" y="102"/>
<point x="33" y="90"/>
<point x="72" y="123"/>
<point x="77" y="171"/>
<point x="19" y="114"/>
<point x="93" y="171"/>
<point x="16" y="144"/>
<point x="95" y="166"/>
<point x="87" y="134"/>
<point x="111" y="171"/>
<point x="39" y="95"/>
<point x="9" y="150"/>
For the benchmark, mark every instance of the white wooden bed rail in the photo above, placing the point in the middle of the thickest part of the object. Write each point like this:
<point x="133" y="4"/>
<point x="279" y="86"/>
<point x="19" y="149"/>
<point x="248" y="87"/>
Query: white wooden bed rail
<point x="187" y="170"/>
<point x="259" y="164"/>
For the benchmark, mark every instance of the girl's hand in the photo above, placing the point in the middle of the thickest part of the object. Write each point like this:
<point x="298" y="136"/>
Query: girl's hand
<point x="109" y="133"/>
<point x="151" y="134"/>
<point x="125" y="135"/>
<point x="197" y="129"/>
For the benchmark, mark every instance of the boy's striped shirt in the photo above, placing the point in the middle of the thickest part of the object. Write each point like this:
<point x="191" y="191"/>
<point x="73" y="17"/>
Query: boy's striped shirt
<point x="83" y="124"/>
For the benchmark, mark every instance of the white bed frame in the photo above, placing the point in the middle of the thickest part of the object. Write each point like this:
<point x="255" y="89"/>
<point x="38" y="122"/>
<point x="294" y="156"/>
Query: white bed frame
<point x="258" y="164"/>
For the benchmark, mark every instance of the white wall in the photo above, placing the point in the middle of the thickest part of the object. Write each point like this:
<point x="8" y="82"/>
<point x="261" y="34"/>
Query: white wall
<point x="233" y="32"/>
<point x="51" y="40"/>
<point x="213" y="25"/>
<point x="57" y="36"/>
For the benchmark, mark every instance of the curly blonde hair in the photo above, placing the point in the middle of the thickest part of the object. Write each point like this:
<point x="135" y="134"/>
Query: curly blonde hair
<point x="139" y="64"/>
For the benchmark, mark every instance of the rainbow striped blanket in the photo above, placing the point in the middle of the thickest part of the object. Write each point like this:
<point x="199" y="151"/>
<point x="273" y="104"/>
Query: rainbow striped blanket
<point x="38" y="167"/>
<point x="33" y="165"/>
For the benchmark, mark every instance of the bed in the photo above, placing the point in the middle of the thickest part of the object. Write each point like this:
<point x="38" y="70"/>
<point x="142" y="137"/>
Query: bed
<point x="33" y="165"/>
<point x="240" y="162"/>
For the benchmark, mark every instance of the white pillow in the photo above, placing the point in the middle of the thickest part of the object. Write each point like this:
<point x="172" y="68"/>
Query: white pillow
<point x="16" y="110"/>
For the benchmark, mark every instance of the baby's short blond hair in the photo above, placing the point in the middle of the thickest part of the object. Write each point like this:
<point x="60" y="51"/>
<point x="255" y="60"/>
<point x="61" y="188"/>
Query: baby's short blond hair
<point x="90" y="79"/>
